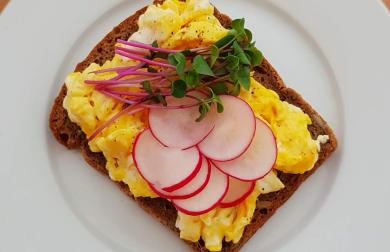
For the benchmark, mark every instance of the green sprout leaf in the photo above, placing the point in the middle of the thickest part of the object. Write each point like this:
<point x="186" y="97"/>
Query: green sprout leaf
<point x="219" y="88"/>
<point x="234" y="76"/>
<point x="220" y="107"/>
<point x="160" y="98"/>
<point x="201" y="67"/>
<point x="236" y="90"/>
<point x="155" y="44"/>
<point x="147" y="87"/>
<point x="152" y="69"/>
<point x="238" y="25"/>
<point x="178" y="60"/>
<point x="178" y="88"/>
<point x="233" y="62"/>
<point x="256" y="57"/>
<point x="243" y="76"/>
<point x="225" y="41"/>
<point x="204" y="108"/>
<point x="249" y="35"/>
<point x="192" y="78"/>
<point x="219" y="103"/>
<point x="214" y="55"/>
<point x="239" y="52"/>
<point x="187" y="52"/>
<point x="172" y="59"/>
<point x="217" y="100"/>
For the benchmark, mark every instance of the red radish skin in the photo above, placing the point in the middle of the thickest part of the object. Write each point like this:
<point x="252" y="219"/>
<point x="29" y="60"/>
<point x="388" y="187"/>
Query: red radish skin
<point x="208" y="198"/>
<point x="163" y="167"/>
<point x="258" y="160"/>
<point x="233" y="132"/>
<point x="238" y="191"/>
<point x="196" y="185"/>
<point x="178" y="127"/>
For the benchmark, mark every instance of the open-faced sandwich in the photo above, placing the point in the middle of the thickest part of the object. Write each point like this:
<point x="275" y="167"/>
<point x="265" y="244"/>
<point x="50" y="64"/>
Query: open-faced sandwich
<point x="178" y="106"/>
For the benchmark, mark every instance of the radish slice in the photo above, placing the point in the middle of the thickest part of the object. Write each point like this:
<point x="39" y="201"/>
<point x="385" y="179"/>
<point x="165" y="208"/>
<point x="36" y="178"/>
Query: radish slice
<point x="178" y="127"/>
<point x="238" y="191"/>
<point x="163" y="167"/>
<point x="233" y="132"/>
<point x="192" y="188"/>
<point x="208" y="198"/>
<point x="258" y="160"/>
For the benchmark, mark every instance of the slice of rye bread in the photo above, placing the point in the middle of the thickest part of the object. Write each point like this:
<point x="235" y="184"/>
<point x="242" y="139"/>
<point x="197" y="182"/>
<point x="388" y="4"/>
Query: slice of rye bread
<point x="70" y="135"/>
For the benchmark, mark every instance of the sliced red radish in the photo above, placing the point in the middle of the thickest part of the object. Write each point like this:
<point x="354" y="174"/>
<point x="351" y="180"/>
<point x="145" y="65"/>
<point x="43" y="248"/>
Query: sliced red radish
<point x="178" y="127"/>
<point x="192" y="188"/>
<point x="208" y="198"/>
<point x="164" y="167"/>
<point x="238" y="191"/>
<point x="258" y="160"/>
<point x="233" y="132"/>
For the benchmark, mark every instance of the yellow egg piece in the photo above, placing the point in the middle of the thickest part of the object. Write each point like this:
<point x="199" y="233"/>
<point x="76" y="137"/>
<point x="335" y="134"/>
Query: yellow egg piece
<point x="196" y="34"/>
<point x="297" y="151"/>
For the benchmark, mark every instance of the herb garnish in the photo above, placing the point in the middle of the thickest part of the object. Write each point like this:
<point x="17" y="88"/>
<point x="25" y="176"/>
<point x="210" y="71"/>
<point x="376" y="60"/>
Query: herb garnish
<point x="222" y="68"/>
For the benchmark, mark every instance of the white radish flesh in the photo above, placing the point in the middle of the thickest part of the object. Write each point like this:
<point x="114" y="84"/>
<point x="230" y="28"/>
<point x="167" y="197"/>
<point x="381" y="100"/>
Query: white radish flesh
<point x="258" y="160"/>
<point x="192" y="188"/>
<point x="163" y="167"/>
<point x="208" y="198"/>
<point x="238" y="191"/>
<point x="178" y="127"/>
<point x="233" y="132"/>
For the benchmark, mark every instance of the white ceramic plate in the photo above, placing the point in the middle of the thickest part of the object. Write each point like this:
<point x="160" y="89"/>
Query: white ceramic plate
<point x="335" y="53"/>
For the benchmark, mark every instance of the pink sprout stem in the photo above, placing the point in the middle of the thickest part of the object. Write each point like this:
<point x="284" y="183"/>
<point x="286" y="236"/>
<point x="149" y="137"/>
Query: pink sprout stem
<point x="119" y="82"/>
<point x="130" y="110"/>
<point x="142" y="73"/>
<point x="128" y="93"/>
<point x="120" y="69"/>
<point x="134" y="68"/>
<point x="146" y="46"/>
<point x="142" y="59"/>
<point x="132" y="51"/>
<point x="118" y="97"/>
<point x="150" y="106"/>
<point x="159" y="106"/>
<point x="113" y="69"/>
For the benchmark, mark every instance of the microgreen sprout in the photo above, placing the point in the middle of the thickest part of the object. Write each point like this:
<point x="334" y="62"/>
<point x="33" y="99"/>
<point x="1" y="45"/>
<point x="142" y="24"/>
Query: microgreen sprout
<point x="221" y="68"/>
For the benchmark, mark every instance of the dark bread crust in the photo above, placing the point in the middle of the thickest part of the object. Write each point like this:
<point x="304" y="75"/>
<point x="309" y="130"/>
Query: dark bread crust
<point x="71" y="136"/>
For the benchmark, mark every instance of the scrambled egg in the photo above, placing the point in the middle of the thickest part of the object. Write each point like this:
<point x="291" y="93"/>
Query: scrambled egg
<point x="297" y="151"/>
<point x="89" y="109"/>
<point x="176" y="24"/>
<point x="180" y="25"/>
<point x="228" y="223"/>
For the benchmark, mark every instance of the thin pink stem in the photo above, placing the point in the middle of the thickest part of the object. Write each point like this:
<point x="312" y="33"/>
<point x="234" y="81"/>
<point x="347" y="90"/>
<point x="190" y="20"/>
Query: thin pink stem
<point x="129" y="93"/>
<point x="132" y="51"/>
<point x="104" y="87"/>
<point x="148" y="61"/>
<point x="145" y="46"/>
<point x="118" y="82"/>
<point x="157" y="106"/>
<point x="150" y="106"/>
<point x="117" y="97"/>
<point x="129" y="110"/>
<point x="113" y="69"/>
<point x="134" y="68"/>
<point x="119" y="69"/>
<point x="143" y="73"/>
